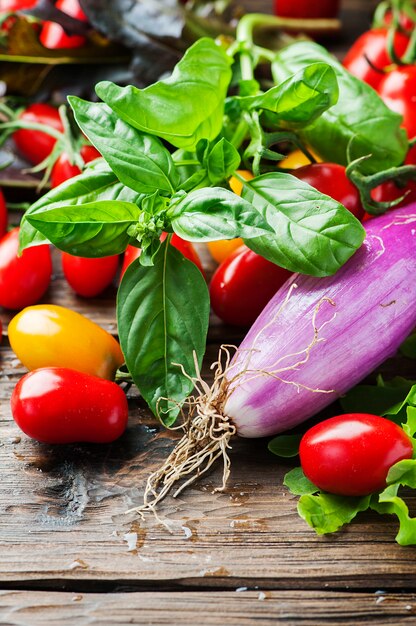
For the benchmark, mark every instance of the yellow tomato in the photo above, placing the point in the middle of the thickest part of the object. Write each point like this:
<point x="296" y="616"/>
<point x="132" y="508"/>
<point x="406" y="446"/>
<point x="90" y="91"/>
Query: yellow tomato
<point x="222" y="249"/>
<point x="297" y="159"/>
<point x="48" y="335"/>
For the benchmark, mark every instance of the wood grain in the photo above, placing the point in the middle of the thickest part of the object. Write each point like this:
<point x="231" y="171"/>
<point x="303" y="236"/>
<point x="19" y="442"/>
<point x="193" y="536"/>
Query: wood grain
<point x="242" y="608"/>
<point x="62" y="518"/>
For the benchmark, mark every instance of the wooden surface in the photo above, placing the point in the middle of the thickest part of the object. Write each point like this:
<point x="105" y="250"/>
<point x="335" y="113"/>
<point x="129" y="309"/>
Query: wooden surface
<point x="70" y="555"/>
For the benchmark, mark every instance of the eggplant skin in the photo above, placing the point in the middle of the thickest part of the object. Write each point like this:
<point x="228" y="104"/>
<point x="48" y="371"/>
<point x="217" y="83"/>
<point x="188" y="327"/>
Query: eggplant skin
<point x="276" y="382"/>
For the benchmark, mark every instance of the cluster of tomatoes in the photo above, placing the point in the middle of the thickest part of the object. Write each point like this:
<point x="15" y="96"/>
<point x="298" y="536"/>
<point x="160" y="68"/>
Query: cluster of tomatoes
<point x="51" y="34"/>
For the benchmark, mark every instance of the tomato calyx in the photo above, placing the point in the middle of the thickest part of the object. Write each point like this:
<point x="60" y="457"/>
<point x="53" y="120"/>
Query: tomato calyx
<point x="366" y="183"/>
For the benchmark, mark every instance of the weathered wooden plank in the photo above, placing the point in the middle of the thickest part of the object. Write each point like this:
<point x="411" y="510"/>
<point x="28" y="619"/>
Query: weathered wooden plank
<point x="62" y="518"/>
<point x="242" y="608"/>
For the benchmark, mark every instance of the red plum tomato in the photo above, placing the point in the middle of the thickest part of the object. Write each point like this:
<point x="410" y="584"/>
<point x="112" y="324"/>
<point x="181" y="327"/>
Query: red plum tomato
<point x="89" y="277"/>
<point x="330" y="179"/>
<point x="369" y="51"/>
<point x="23" y="279"/>
<point x="53" y="36"/>
<point x="34" y="144"/>
<point x="63" y="169"/>
<point x="306" y="9"/>
<point x="61" y="405"/>
<point x="398" y="91"/>
<point x="242" y="286"/>
<point x="350" y="455"/>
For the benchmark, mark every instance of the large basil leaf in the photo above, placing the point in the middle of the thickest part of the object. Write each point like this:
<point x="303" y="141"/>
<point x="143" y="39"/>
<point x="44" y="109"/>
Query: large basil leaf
<point x="300" y="99"/>
<point x="94" y="184"/>
<point x="360" y="124"/>
<point x="140" y="161"/>
<point x="90" y="230"/>
<point x="314" y="234"/>
<point x="214" y="213"/>
<point x="184" y="108"/>
<point x="163" y="314"/>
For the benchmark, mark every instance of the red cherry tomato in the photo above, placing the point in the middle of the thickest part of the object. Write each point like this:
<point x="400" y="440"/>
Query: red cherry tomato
<point x="370" y="49"/>
<point x="351" y="454"/>
<point x="89" y="277"/>
<point x="398" y="90"/>
<point x="242" y="286"/>
<point x="330" y="179"/>
<point x="16" y="5"/>
<point x="24" y="279"/>
<point x="63" y="169"/>
<point x="3" y="215"/>
<point x="60" y="405"/>
<point x="53" y="36"/>
<point x="306" y="8"/>
<point x="177" y="242"/>
<point x="34" y="144"/>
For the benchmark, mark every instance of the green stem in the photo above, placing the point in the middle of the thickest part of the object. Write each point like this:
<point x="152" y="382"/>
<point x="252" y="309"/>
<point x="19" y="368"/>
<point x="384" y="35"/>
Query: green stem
<point x="15" y="125"/>
<point x="251" y="21"/>
<point x="240" y="133"/>
<point x="187" y="162"/>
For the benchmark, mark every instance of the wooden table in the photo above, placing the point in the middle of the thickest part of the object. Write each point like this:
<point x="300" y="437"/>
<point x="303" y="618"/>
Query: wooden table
<point x="70" y="555"/>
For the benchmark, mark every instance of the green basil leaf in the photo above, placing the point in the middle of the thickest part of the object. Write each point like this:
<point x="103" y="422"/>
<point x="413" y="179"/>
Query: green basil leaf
<point x="140" y="161"/>
<point x="298" y="484"/>
<point x="314" y="234"/>
<point x="221" y="161"/>
<point x="94" y="184"/>
<point x="90" y="230"/>
<point x="184" y="108"/>
<point x="300" y="99"/>
<point x="163" y="314"/>
<point x="286" y="446"/>
<point x="214" y="213"/>
<point x="357" y="125"/>
<point x="327" y="513"/>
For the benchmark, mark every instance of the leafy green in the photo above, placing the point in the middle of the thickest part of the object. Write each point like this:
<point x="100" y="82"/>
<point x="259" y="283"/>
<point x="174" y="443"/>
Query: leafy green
<point x="93" y="185"/>
<point x="163" y="314"/>
<point x="298" y="484"/>
<point x="285" y="446"/>
<point x="386" y="400"/>
<point x="357" y="125"/>
<point x="139" y="161"/>
<point x="300" y="99"/>
<point x="221" y="160"/>
<point x="215" y="213"/>
<point x="91" y="230"/>
<point x="327" y="513"/>
<point x="314" y="234"/>
<point x="184" y="108"/>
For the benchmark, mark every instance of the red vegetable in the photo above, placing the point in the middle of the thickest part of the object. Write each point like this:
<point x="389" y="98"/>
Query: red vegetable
<point x="242" y="286"/>
<point x="16" y="5"/>
<point x="53" y="36"/>
<point x="177" y="242"/>
<point x="60" y="405"/>
<point x="89" y="277"/>
<point x="370" y="49"/>
<point x="306" y="8"/>
<point x="34" y="144"/>
<point x="3" y="215"/>
<point x="63" y="169"/>
<point x="330" y="179"/>
<point x="351" y="454"/>
<point x="24" y="279"/>
<point x="398" y="90"/>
